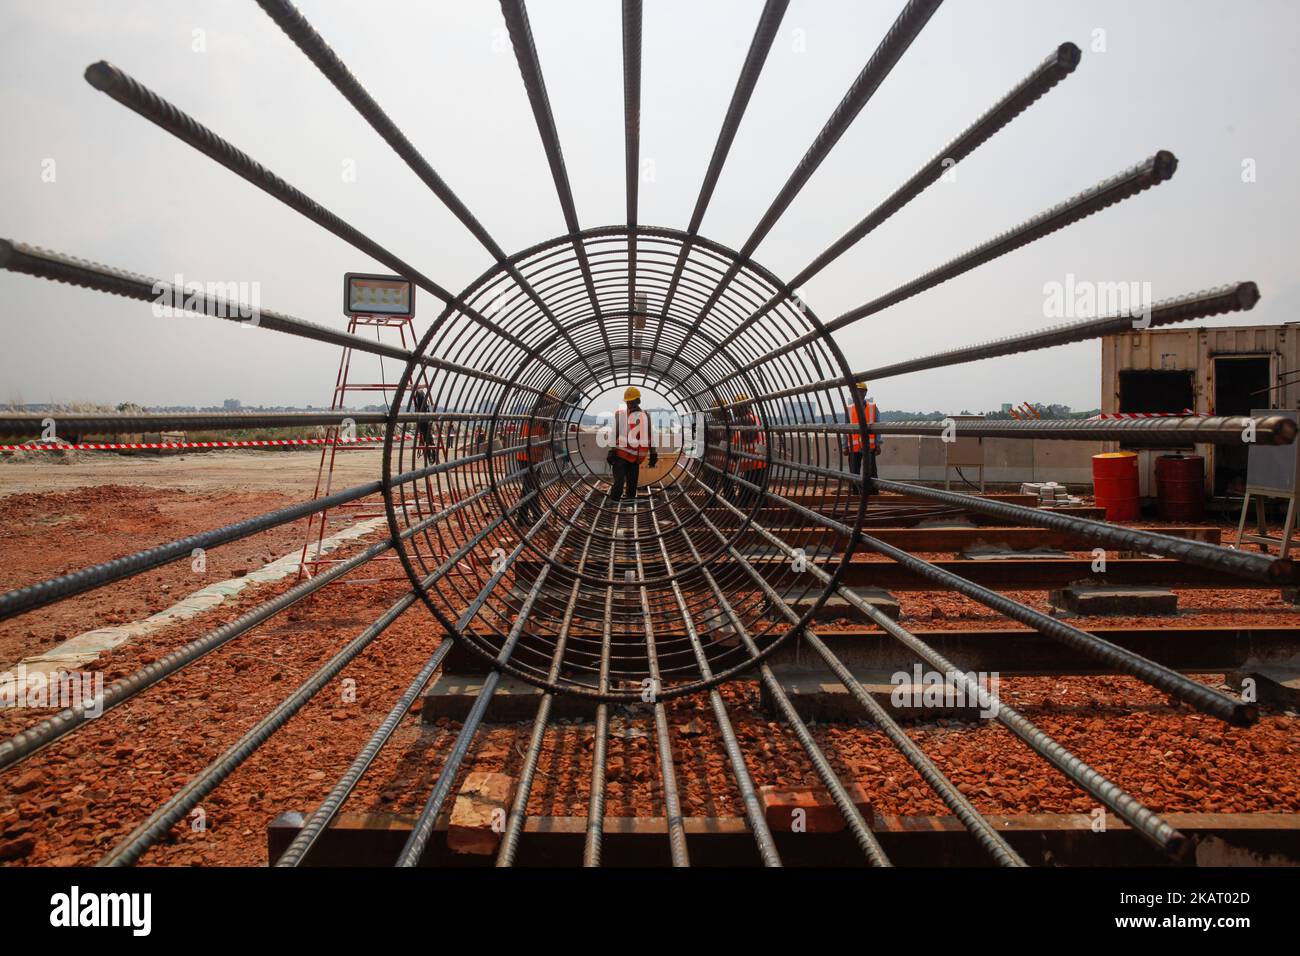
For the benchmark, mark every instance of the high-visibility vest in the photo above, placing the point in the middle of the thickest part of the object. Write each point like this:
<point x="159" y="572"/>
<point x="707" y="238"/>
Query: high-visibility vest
<point x="855" y="438"/>
<point x="534" y="453"/>
<point x="632" y="435"/>
<point x="750" y="439"/>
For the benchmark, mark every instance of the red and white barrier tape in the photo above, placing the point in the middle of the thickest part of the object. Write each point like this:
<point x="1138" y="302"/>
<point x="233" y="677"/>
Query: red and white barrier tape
<point x="1186" y="412"/>
<point x="132" y="446"/>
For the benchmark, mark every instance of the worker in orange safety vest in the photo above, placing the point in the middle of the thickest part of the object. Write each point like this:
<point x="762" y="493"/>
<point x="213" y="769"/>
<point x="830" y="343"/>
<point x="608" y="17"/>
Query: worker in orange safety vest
<point x="747" y="436"/>
<point x="534" y="434"/>
<point x="863" y="465"/>
<point x="632" y="446"/>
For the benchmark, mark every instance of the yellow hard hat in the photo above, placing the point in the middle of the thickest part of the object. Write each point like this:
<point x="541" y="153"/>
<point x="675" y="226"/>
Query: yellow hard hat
<point x="862" y="385"/>
<point x="632" y="394"/>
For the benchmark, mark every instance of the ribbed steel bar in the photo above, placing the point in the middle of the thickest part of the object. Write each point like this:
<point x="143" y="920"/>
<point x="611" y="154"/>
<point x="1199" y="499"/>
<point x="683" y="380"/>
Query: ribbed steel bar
<point x="296" y="27"/>
<point x="744" y="782"/>
<point x="148" y="104"/>
<point x="58" y="267"/>
<point x="1131" y="182"/>
<point x="979" y="827"/>
<point x="523" y="789"/>
<point x="1247" y="564"/>
<point x="853" y="818"/>
<point x="174" y="809"/>
<point x="89" y="423"/>
<point x="1055" y="68"/>
<point x="1128" y="808"/>
<point x="530" y="69"/>
<point x="1172" y="431"/>
<point x="596" y="805"/>
<point x="1261" y="567"/>
<point x="769" y="22"/>
<point x="27" y="742"/>
<point x="43" y="593"/>
<point x="1203" y="698"/>
<point x="422" y="830"/>
<point x="905" y="28"/>
<point x="296" y="852"/>
<point x="1233" y="297"/>
<point x="663" y="738"/>
<point x="632" y="147"/>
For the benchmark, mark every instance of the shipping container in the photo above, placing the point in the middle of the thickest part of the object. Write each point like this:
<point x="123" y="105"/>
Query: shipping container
<point x="1225" y="370"/>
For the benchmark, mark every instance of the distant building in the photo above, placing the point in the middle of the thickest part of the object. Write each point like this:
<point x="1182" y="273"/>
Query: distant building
<point x="232" y="405"/>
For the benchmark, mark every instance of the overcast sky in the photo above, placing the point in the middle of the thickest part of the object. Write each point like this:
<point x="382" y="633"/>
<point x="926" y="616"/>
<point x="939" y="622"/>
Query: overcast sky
<point x="1212" y="81"/>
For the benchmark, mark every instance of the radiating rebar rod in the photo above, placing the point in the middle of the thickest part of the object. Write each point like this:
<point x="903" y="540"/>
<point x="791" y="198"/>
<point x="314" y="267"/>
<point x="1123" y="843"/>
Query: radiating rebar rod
<point x="1127" y="807"/>
<point x="667" y="773"/>
<point x="296" y="27"/>
<point x="1055" y="68"/>
<point x="769" y="22"/>
<point x="596" y="805"/>
<point x="530" y="69"/>
<point x="1171" y="431"/>
<point x="422" y="830"/>
<point x="1248" y="564"/>
<point x="296" y="852"/>
<point x="905" y="28"/>
<point x="979" y="827"/>
<point x="1131" y="182"/>
<point x="174" y="809"/>
<point x="43" y="593"/>
<point x="523" y="789"/>
<point x="1205" y="699"/>
<point x="1233" y="297"/>
<point x="744" y="782"/>
<point x="631" y="148"/>
<point x="90" y="423"/>
<point x="135" y="96"/>
<point x="58" y="267"/>
<point x="29" y="741"/>
<point x="1262" y="567"/>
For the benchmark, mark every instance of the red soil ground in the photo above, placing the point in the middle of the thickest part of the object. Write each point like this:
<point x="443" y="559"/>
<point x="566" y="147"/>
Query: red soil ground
<point x="76" y="799"/>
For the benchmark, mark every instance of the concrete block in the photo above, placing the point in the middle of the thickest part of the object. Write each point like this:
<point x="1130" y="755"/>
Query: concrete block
<point x="1274" y="686"/>
<point x="452" y="695"/>
<point x="837" y="606"/>
<point x="1092" y="599"/>
<point x="821" y="696"/>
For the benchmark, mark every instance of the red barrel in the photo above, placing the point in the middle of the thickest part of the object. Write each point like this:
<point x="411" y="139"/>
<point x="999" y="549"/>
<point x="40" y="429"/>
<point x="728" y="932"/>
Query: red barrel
<point x="1115" y="484"/>
<point x="1180" y="487"/>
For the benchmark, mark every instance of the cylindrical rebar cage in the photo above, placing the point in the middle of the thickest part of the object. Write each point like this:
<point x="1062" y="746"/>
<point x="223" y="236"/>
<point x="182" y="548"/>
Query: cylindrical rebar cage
<point x="515" y="545"/>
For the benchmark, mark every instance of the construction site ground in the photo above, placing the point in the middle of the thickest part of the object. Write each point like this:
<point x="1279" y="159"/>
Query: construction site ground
<point x="71" y="802"/>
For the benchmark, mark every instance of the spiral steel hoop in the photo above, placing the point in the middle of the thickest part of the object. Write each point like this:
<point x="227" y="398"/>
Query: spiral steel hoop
<point x="678" y="368"/>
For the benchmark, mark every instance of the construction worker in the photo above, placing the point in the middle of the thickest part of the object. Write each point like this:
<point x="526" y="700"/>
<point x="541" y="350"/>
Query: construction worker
<point x="747" y="437"/>
<point x="632" y="446"/>
<point x="715" y="423"/>
<point x="863" y="466"/>
<point x="535" y="434"/>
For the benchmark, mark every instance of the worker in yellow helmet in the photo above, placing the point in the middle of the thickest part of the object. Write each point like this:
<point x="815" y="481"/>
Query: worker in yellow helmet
<point x="632" y="446"/>
<point x="862" y="465"/>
